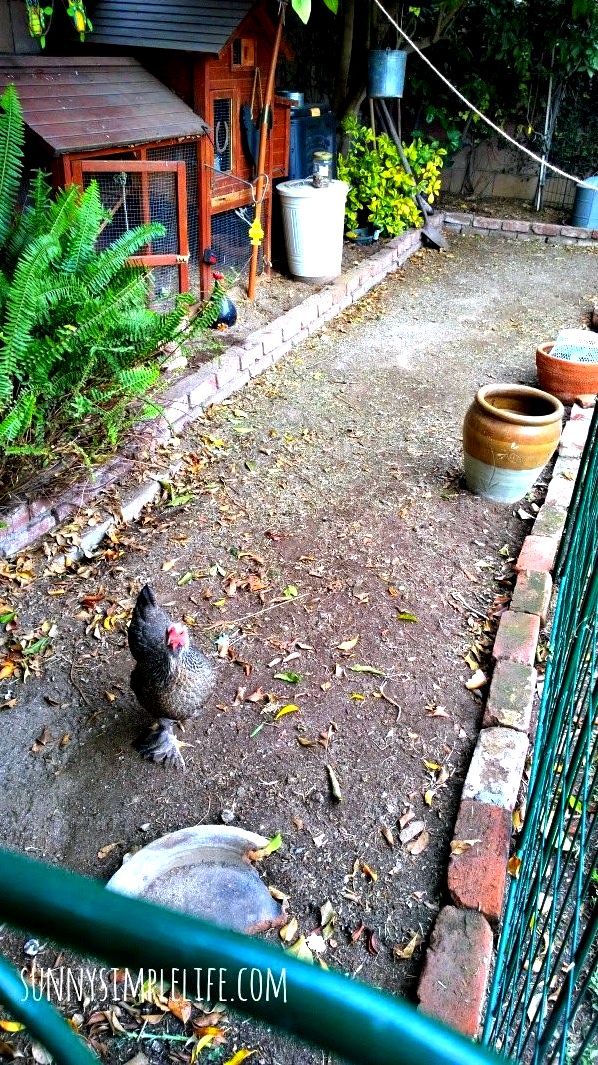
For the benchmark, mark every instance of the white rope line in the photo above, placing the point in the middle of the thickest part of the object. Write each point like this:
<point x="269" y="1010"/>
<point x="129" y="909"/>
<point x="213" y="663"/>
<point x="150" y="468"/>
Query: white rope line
<point x="472" y="107"/>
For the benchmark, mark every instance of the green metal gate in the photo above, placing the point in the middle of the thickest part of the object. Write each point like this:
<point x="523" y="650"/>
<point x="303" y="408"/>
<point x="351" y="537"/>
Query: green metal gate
<point x="543" y="1004"/>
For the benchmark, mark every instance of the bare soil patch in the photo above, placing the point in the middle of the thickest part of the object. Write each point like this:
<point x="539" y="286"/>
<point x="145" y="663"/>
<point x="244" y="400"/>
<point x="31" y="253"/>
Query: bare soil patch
<point x="321" y="504"/>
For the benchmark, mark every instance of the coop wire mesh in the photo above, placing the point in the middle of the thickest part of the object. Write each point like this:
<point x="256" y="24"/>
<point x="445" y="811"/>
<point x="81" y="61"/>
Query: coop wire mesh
<point x="133" y="199"/>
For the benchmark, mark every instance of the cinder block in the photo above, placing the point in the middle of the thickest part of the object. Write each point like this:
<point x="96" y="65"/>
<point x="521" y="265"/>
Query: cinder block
<point x="517" y="637"/>
<point x="477" y="874"/>
<point x="511" y="696"/>
<point x="453" y="984"/>
<point x="496" y="768"/>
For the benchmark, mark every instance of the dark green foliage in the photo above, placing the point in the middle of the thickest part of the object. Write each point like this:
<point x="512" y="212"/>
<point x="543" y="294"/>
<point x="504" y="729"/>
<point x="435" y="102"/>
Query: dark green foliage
<point x="78" y="341"/>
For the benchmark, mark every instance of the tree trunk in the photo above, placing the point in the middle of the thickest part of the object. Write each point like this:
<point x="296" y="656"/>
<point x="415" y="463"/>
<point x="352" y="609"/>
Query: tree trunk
<point x="344" y="60"/>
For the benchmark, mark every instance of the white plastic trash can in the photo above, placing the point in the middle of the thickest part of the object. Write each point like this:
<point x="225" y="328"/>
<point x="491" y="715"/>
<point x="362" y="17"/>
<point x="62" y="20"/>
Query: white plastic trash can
<point x="313" y="222"/>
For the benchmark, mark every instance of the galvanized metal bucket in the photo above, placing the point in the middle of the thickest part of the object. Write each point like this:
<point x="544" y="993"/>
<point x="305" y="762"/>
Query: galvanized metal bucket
<point x="386" y="72"/>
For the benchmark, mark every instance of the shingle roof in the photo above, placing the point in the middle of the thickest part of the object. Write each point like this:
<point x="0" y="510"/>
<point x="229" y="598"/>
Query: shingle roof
<point x="76" y="103"/>
<point x="188" y="25"/>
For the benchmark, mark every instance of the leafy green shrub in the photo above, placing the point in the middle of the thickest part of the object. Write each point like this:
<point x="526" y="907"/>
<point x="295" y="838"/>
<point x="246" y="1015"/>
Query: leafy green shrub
<point x="381" y="193"/>
<point x="78" y="341"/>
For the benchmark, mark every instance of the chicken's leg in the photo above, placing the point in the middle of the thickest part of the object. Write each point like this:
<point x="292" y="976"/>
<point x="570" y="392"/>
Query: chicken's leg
<point x="161" y="745"/>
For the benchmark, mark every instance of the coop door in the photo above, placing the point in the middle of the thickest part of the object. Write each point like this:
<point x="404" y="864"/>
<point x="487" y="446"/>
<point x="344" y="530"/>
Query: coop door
<point x="136" y="192"/>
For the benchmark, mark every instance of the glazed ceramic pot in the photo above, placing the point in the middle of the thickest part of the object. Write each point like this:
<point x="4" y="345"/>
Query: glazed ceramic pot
<point x="564" y="378"/>
<point x="509" y="434"/>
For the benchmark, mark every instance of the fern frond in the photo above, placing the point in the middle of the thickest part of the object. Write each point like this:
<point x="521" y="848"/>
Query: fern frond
<point x="104" y="267"/>
<point x="62" y="212"/>
<point x="22" y="308"/>
<point x="30" y="222"/>
<point x="18" y="420"/>
<point x="12" y="139"/>
<point x="83" y="234"/>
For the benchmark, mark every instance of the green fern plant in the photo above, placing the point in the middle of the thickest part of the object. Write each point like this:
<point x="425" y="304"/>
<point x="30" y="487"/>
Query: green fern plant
<point x="78" y="340"/>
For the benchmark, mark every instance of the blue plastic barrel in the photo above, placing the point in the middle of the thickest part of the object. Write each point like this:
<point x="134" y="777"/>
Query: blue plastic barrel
<point x="585" y="207"/>
<point x="386" y="72"/>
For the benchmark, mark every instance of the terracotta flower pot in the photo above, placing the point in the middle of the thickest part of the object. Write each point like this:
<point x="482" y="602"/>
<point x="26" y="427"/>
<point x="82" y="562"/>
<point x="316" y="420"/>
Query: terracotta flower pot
<point x="509" y="434"/>
<point x="563" y="378"/>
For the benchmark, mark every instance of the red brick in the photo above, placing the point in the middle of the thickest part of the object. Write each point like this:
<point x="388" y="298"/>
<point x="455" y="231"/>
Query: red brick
<point x="480" y="222"/>
<point x="575" y="231"/>
<point x="550" y="521"/>
<point x="517" y="637"/>
<point x="250" y="354"/>
<point x="352" y="278"/>
<point x="476" y="878"/>
<point x="227" y="366"/>
<point x="513" y="225"/>
<point x="202" y="391"/>
<point x="594" y="234"/>
<point x="453" y="983"/>
<point x="546" y="229"/>
<point x="561" y="240"/>
<point x="511" y="696"/>
<point x="324" y="301"/>
<point x="580" y="413"/>
<point x="532" y="592"/>
<point x="290" y="323"/>
<point x="309" y="310"/>
<point x="538" y="553"/>
<point x="573" y="438"/>
<point x="562" y="483"/>
<point x="458" y="218"/>
<point x="260" y="365"/>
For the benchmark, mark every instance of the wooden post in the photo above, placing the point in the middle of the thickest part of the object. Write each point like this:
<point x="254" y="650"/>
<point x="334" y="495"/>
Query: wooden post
<point x="261" y="160"/>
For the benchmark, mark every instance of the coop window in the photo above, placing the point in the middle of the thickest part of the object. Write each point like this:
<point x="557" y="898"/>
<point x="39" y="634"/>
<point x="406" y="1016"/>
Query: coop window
<point x="223" y="110"/>
<point x="243" y="52"/>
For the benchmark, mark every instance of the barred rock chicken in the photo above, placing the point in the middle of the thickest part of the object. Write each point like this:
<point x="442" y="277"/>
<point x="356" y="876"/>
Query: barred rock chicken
<point x="171" y="680"/>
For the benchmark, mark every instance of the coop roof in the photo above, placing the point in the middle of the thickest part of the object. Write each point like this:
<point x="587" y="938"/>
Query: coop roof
<point x="188" y="25"/>
<point x="79" y="103"/>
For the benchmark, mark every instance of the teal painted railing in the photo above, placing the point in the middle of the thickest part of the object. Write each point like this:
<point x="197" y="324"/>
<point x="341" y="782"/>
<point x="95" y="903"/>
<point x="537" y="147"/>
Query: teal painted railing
<point x="543" y="1003"/>
<point x="357" y="1022"/>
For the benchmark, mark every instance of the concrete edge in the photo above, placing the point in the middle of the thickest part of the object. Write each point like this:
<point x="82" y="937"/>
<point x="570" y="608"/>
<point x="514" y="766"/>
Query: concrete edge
<point x="186" y="400"/>
<point x="477" y="872"/>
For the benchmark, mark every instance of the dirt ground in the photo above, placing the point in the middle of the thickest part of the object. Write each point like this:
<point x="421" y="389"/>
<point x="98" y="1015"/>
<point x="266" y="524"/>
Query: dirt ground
<point x="320" y="522"/>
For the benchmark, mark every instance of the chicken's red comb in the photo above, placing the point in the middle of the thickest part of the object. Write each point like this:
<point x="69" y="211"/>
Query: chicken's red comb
<point x="217" y="275"/>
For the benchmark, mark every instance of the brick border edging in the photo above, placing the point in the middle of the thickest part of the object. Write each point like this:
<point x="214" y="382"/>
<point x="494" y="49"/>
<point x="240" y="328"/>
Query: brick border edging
<point x="458" y="961"/>
<point x="517" y="229"/>
<point x="187" y="399"/>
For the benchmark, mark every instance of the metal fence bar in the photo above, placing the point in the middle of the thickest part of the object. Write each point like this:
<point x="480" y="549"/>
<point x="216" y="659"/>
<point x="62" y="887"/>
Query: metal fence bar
<point x="41" y="1020"/>
<point x="547" y="958"/>
<point x="357" y="1022"/>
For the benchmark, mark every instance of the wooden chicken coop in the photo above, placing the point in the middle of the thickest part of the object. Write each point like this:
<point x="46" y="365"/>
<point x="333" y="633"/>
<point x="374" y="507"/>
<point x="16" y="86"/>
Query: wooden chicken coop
<point x="166" y="125"/>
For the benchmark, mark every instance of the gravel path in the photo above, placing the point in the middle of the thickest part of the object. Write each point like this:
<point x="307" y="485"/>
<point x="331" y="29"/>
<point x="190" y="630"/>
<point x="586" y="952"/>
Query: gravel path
<point x="320" y="505"/>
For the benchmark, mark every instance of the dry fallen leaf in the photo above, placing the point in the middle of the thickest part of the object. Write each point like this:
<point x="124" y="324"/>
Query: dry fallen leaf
<point x="180" y="1007"/>
<point x="460" y="846"/>
<point x="416" y="846"/>
<point x="348" y="645"/>
<point x="106" y="850"/>
<point x="406" y="952"/>
<point x="513" y="866"/>
<point x="388" y="835"/>
<point x="411" y="830"/>
<point x="477" y="680"/>
<point x="335" y="788"/>
<point x="368" y="871"/>
<point x="288" y="932"/>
